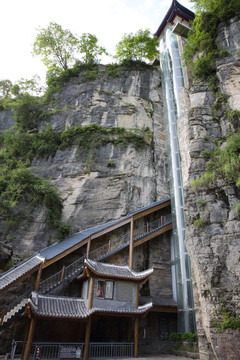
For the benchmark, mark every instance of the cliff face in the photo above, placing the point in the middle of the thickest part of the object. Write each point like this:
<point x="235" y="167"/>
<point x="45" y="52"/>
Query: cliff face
<point x="214" y="246"/>
<point x="112" y="181"/>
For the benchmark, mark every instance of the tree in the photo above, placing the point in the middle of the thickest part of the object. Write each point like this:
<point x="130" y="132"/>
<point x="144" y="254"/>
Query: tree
<point x="89" y="49"/>
<point x="139" y="46"/>
<point x="56" y="46"/>
<point x="5" y="86"/>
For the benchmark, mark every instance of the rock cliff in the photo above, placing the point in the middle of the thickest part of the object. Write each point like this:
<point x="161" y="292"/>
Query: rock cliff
<point x="212" y="223"/>
<point x="117" y="179"/>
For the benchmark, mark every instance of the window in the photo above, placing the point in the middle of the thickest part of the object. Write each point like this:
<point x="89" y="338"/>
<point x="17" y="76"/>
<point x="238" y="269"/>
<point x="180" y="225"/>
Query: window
<point x="105" y="289"/>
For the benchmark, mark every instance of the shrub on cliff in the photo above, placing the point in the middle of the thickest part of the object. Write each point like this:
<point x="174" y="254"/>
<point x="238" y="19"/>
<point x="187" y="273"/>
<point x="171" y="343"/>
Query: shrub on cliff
<point x="201" y="51"/>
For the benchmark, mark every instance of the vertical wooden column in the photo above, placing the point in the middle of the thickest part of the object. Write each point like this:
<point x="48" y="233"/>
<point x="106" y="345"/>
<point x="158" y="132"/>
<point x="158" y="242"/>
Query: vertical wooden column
<point x="62" y="273"/>
<point x="30" y="337"/>
<point x="131" y="245"/>
<point x="39" y="274"/>
<point x="88" y="247"/>
<point x="87" y="338"/>
<point x="90" y="299"/>
<point x="136" y="337"/>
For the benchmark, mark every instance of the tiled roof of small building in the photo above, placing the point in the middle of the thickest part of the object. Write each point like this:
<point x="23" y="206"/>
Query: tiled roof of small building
<point x="20" y="270"/>
<point x="69" y="307"/>
<point x="175" y="9"/>
<point x="157" y="301"/>
<point x="116" y="271"/>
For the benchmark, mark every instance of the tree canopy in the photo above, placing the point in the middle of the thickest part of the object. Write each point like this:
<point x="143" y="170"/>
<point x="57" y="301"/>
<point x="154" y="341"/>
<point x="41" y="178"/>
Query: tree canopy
<point x="89" y="48"/>
<point x="139" y="46"/>
<point x="60" y="49"/>
<point x="56" y="46"/>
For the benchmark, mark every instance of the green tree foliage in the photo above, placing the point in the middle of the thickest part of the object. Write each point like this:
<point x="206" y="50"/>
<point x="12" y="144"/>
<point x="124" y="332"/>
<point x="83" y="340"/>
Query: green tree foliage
<point x="5" y="86"/>
<point x="56" y="46"/>
<point x="140" y="46"/>
<point x="201" y="51"/>
<point x="59" y="48"/>
<point x="89" y="48"/>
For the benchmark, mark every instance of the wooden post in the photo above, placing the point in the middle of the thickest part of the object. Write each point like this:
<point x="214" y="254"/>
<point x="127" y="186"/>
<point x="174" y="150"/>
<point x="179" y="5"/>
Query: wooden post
<point x="87" y="339"/>
<point x="90" y="299"/>
<point x="39" y="274"/>
<point x="30" y="337"/>
<point x="137" y="295"/>
<point x="147" y="227"/>
<point x="109" y="246"/>
<point x="27" y="327"/>
<point x="131" y="245"/>
<point x="3" y="314"/>
<point x="136" y="337"/>
<point x="62" y="274"/>
<point x="88" y="247"/>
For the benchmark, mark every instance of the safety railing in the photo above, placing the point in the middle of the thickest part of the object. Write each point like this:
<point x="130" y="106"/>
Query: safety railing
<point x="55" y="350"/>
<point x="66" y="273"/>
<point x="110" y="350"/>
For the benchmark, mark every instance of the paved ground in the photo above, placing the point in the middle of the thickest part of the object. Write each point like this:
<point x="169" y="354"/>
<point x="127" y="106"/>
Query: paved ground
<point x="159" y="357"/>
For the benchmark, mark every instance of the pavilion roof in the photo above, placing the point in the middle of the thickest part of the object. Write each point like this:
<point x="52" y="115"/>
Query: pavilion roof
<point x="114" y="271"/>
<point x="175" y="9"/>
<point x="52" y="306"/>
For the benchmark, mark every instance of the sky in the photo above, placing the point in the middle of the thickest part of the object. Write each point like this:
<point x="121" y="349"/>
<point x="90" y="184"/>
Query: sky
<point x="109" y="20"/>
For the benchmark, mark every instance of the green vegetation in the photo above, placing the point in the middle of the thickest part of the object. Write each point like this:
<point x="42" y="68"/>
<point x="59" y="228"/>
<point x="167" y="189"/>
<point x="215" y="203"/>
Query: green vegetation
<point x="188" y="337"/>
<point x="228" y="320"/>
<point x="111" y="164"/>
<point x="201" y="203"/>
<point x="199" y="224"/>
<point x="224" y="162"/>
<point x="201" y="51"/>
<point x="58" y="48"/>
<point x="140" y="46"/>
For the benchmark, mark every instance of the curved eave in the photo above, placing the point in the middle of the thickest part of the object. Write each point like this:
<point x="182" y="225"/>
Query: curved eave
<point x="176" y="9"/>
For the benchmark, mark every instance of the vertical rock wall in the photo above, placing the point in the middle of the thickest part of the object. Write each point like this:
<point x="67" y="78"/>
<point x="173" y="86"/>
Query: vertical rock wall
<point x="214" y="248"/>
<point x="101" y="192"/>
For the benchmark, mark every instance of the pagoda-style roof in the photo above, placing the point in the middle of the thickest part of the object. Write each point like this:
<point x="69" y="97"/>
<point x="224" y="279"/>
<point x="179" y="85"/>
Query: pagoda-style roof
<point x="112" y="271"/>
<point x="176" y="9"/>
<point x="63" y="307"/>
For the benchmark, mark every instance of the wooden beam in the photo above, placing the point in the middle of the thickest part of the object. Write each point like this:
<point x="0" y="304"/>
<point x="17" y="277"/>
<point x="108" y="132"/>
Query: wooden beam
<point x="131" y="244"/>
<point x="88" y="247"/>
<point x="62" y="273"/>
<point x="151" y="236"/>
<point x="152" y="209"/>
<point x="91" y="290"/>
<point x="30" y="338"/>
<point x="136" y="337"/>
<point x="111" y="228"/>
<point x="164" y="309"/>
<point x="3" y="314"/>
<point x="87" y="338"/>
<point x="39" y="274"/>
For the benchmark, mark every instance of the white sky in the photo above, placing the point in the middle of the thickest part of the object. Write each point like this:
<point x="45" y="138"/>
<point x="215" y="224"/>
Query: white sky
<point x="109" y="20"/>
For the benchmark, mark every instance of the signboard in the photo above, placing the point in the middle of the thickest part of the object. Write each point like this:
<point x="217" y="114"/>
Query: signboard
<point x="70" y="352"/>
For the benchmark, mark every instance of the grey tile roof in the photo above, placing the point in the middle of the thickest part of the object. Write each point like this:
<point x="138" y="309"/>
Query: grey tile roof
<point x="116" y="271"/>
<point x="68" y="307"/>
<point x="58" y="306"/>
<point x="157" y="301"/>
<point x="20" y="270"/>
